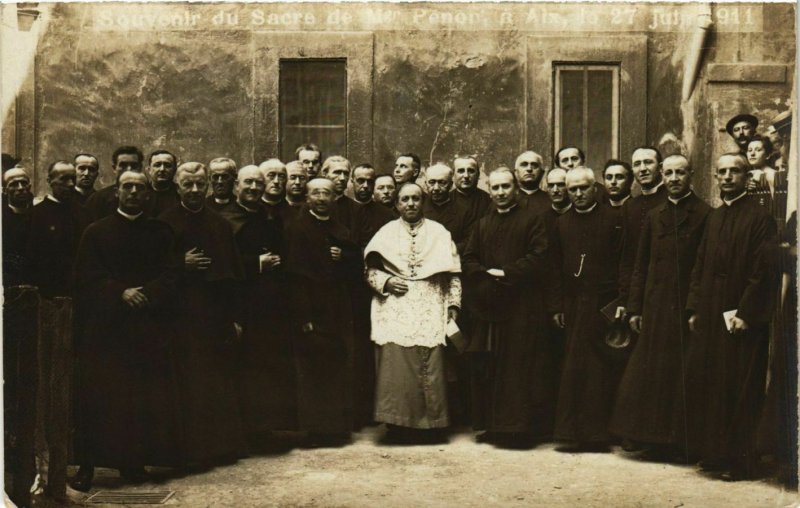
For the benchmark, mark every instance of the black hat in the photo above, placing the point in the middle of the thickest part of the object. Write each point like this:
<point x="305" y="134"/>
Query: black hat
<point x="743" y="117"/>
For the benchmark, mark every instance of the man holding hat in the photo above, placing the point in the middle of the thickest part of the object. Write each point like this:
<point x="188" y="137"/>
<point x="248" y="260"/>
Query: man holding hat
<point x="741" y="128"/>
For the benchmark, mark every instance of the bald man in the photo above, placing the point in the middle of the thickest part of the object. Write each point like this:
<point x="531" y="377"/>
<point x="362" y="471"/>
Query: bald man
<point x="296" y="180"/>
<point x="17" y="207"/>
<point x="529" y="170"/>
<point x="274" y="198"/>
<point x="321" y="264"/>
<point x="222" y="175"/>
<point x="466" y="176"/>
<point x="441" y="208"/>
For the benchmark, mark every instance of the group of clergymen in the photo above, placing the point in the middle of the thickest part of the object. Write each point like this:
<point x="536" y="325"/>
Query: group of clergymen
<point x="319" y="297"/>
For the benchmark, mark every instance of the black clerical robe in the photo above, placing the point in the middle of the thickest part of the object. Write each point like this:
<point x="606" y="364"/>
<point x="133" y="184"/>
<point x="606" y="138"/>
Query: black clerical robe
<point x="652" y="386"/>
<point x="453" y="216"/>
<point x="205" y="339"/>
<point x="280" y="211"/>
<point x="735" y="269"/>
<point x="477" y="202"/>
<point x="16" y="229"/>
<point x="321" y="321"/>
<point x="584" y="281"/>
<point x="127" y="406"/>
<point x="81" y="197"/>
<point x="267" y="373"/>
<point x="102" y="203"/>
<point x="634" y="215"/>
<point x="517" y="392"/>
<point x="342" y="210"/>
<point x="157" y="202"/>
<point x="55" y="231"/>
<point x="220" y="208"/>
<point x="537" y="202"/>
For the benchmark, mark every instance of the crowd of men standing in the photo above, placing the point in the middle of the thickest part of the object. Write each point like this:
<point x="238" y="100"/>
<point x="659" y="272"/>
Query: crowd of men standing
<point x="215" y="303"/>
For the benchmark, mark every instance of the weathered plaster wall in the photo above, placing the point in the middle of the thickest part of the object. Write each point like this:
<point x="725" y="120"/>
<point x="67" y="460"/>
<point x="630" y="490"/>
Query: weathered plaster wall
<point x="439" y="86"/>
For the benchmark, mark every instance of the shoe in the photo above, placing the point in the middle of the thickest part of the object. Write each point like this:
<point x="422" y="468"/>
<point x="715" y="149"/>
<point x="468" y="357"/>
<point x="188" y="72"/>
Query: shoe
<point x="134" y="474"/>
<point x="83" y="479"/>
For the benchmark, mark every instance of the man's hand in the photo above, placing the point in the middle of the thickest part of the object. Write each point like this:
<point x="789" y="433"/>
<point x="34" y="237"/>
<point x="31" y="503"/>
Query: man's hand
<point x="268" y="261"/>
<point x="738" y="325"/>
<point x="396" y="286"/>
<point x="196" y="260"/>
<point x="693" y="323"/>
<point x="452" y="313"/>
<point x="635" y="323"/>
<point x="496" y="272"/>
<point x="558" y="319"/>
<point x="336" y="253"/>
<point x="620" y="313"/>
<point x="238" y="328"/>
<point x="751" y="185"/>
<point x="135" y="298"/>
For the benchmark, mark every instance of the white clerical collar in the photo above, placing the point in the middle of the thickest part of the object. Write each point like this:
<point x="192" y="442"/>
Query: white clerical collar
<point x="588" y="209"/>
<point x="465" y="193"/>
<point x="363" y="202"/>
<point x="652" y="190"/>
<point x="190" y="210"/>
<point x="678" y="200"/>
<point x="729" y="202"/>
<point x="320" y="217"/>
<point x="271" y="203"/>
<point x="506" y="210"/>
<point x="561" y="210"/>
<point x="294" y="203"/>
<point x="52" y="198"/>
<point x="617" y="204"/>
<point x="220" y="201"/>
<point x="529" y="192"/>
<point x="80" y="190"/>
<point x="129" y="216"/>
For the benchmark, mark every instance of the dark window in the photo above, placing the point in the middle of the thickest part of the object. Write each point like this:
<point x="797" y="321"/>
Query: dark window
<point x="313" y="106"/>
<point x="587" y="110"/>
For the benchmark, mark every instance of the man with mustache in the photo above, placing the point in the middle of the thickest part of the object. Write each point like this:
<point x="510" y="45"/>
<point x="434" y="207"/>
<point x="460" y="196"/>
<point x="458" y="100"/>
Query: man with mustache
<point x="87" y="167"/>
<point x="205" y="323"/>
<point x="742" y="128"/>
<point x="222" y="173"/>
<point x="163" y="193"/>
<point x="466" y="171"/>
<point x="652" y="392"/>
<point x="732" y="296"/>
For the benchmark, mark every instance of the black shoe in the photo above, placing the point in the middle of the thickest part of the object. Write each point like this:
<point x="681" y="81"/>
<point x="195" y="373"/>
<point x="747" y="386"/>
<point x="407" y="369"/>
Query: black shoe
<point x="83" y="479"/>
<point x="134" y="474"/>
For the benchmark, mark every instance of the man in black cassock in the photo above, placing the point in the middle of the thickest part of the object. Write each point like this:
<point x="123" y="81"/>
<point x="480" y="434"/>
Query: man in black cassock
<point x="321" y="260"/>
<point x="266" y="371"/>
<point x="571" y="157"/>
<point x="586" y="249"/>
<point x="205" y="322"/>
<point x="163" y="193"/>
<point x="366" y="219"/>
<point x="442" y="208"/>
<point x="274" y="198"/>
<point x="732" y="295"/>
<point x="127" y="407"/>
<point x="87" y="168"/>
<point x="466" y="173"/>
<point x="296" y="180"/>
<point x="17" y="207"/>
<point x="505" y="264"/>
<point x="652" y="388"/>
<point x="646" y="164"/>
<point x="104" y="202"/>
<point x="617" y="179"/>
<point x="556" y="185"/>
<point x="337" y="169"/>
<point x="529" y="169"/>
<point x="222" y="174"/>
<point x="385" y="192"/>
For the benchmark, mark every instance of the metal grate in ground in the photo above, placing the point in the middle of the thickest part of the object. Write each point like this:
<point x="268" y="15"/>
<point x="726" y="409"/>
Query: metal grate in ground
<point x="131" y="497"/>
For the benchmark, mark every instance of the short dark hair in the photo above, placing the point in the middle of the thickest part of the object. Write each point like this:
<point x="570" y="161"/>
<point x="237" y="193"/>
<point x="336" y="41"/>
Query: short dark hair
<point x="308" y="146"/>
<point x="53" y="165"/>
<point x="617" y="162"/>
<point x="161" y="152"/>
<point x="765" y="142"/>
<point x="87" y="154"/>
<point x="126" y="150"/>
<point x="659" y="158"/>
<point x="580" y="152"/>
<point x="416" y="162"/>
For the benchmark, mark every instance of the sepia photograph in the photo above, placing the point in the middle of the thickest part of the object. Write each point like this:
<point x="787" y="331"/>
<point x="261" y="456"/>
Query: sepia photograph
<point x="402" y="254"/>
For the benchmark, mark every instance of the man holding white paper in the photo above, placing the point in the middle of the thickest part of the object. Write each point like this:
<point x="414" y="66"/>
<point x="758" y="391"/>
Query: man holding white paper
<point x="413" y="266"/>
<point x="731" y="300"/>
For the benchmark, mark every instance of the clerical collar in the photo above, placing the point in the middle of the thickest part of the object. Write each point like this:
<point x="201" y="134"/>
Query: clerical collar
<point x="442" y="203"/>
<point x="729" y="202"/>
<point x="588" y="209"/>
<point x="190" y="210"/>
<point x="363" y="202"/>
<point x="247" y="208"/>
<point x="220" y="201"/>
<point x="294" y="203"/>
<point x="652" y="190"/>
<point x="271" y="203"/>
<point x="506" y="210"/>
<point x="319" y="217"/>
<point x="129" y="216"/>
<point x="52" y="198"/>
<point x="529" y="192"/>
<point x="81" y="190"/>
<point x="561" y="210"/>
<point x="676" y="201"/>
<point x="617" y="204"/>
<point x="165" y="189"/>
<point x="468" y="193"/>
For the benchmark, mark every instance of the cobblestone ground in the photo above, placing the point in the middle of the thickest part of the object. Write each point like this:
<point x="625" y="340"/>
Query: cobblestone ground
<point x="460" y="473"/>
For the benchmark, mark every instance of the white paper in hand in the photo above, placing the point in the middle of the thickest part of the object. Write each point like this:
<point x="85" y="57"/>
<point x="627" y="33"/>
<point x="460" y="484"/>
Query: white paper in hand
<point x="728" y="316"/>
